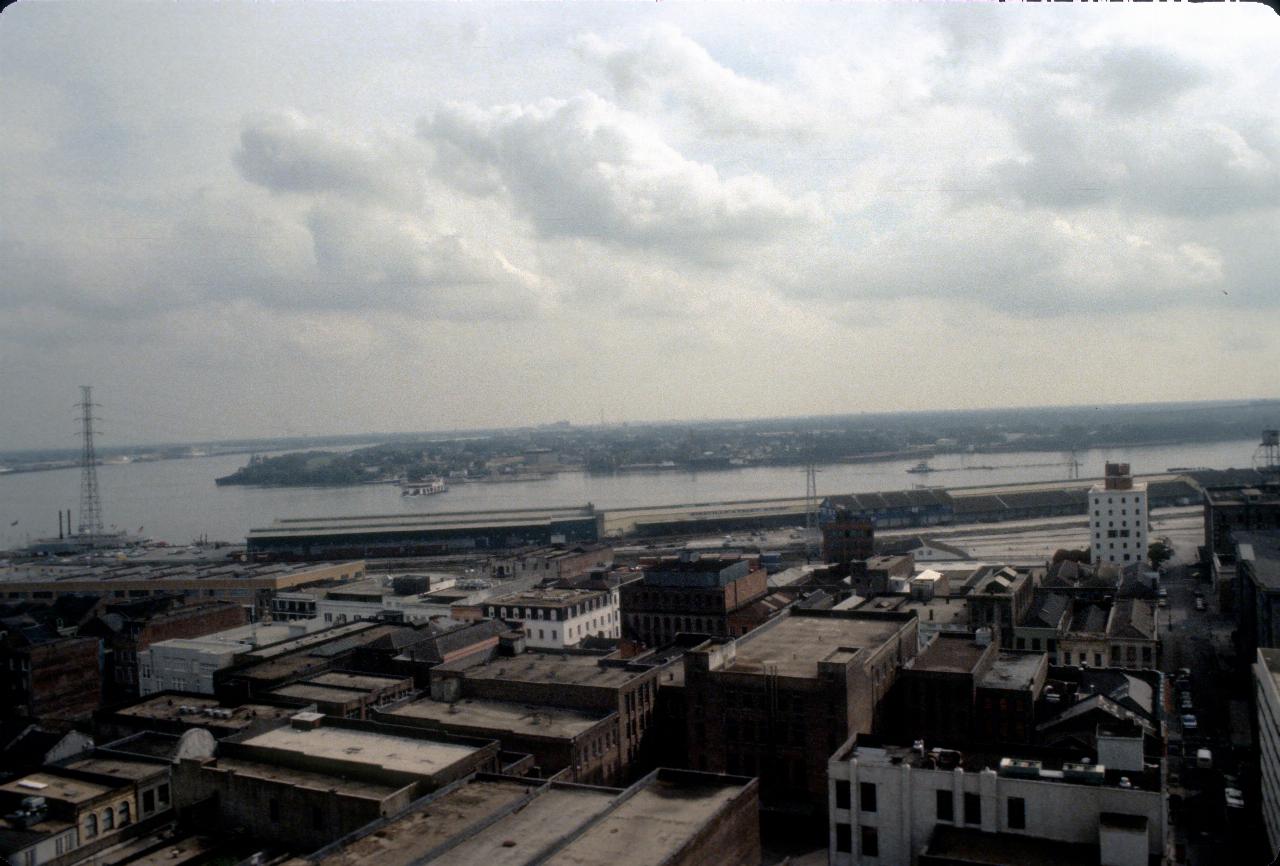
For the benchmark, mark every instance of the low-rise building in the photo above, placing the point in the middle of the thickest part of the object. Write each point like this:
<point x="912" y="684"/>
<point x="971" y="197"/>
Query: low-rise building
<point x="555" y="618"/>
<point x="554" y="562"/>
<point x="188" y="664"/>
<point x="49" y="678"/>
<point x="343" y="694"/>
<point x="693" y="594"/>
<point x="572" y="680"/>
<point x="52" y="816"/>
<point x="1266" y="684"/>
<point x="667" y="818"/>
<point x="999" y="599"/>
<point x="317" y="779"/>
<point x="581" y="743"/>
<point x="251" y="585"/>
<point x="1257" y="591"/>
<point x="892" y="804"/>
<point x="128" y="629"/>
<point x="778" y="701"/>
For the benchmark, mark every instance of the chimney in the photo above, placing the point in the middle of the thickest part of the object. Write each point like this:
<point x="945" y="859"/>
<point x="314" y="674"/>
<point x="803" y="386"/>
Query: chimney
<point x="59" y="524"/>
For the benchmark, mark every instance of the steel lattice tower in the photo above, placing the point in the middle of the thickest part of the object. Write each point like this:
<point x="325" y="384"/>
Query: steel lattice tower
<point x="811" y="510"/>
<point x="90" y="504"/>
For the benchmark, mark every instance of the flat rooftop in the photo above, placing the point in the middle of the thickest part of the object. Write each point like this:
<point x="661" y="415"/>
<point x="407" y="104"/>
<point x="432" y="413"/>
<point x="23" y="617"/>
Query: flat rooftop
<point x="55" y="788"/>
<point x="551" y="815"/>
<point x="132" y="572"/>
<point x="518" y="718"/>
<point x="120" y="768"/>
<point x="545" y="597"/>
<point x="948" y="653"/>
<point x="411" y="836"/>
<point x="795" y="645"/>
<point x="314" y="781"/>
<point x="1262" y="551"/>
<point x="649" y="826"/>
<point x="552" y="668"/>
<point x="1013" y="670"/>
<point x="364" y="682"/>
<point x="972" y="762"/>
<point x="437" y="521"/>
<point x="967" y="845"/>
<point x="388" y="751"/>
<point x="942" y="610"/>
<point x="323" y="694"/>
<point x="170" y="707"/>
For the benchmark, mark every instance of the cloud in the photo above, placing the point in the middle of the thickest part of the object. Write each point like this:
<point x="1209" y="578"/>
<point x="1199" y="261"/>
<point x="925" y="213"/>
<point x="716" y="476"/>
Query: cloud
<point x="664" y="68"/>
<point x="290" y="153"/>
<point x="583" y="167"/>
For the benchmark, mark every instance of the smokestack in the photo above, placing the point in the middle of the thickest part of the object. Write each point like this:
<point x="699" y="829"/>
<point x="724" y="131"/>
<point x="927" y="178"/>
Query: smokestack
<point x="59" y="524"/>
<point x="68" y="523"/>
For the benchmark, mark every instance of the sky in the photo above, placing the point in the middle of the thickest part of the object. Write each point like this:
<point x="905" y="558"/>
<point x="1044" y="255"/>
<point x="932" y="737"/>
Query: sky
<point x="270" y="219"/>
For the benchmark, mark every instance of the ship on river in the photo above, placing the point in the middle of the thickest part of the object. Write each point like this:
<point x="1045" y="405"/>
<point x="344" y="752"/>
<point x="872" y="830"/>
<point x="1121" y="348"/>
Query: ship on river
<point x="425" y="487"/>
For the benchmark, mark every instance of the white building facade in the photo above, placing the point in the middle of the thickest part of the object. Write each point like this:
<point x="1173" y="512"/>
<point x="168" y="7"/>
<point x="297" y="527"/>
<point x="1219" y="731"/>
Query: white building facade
<point x="188" y="664"/>
<point x="559" y="618"/>
<point x="1118" y="518"/>
<point x="884" y="806"/>
<point x="1266" y="671"/>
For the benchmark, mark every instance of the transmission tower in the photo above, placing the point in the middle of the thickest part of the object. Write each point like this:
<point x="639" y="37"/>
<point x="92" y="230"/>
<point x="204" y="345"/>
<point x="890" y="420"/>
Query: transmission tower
<point x="90" y="504"/>
<point x="1073" y="466"/>
<point x="810" y="510"/>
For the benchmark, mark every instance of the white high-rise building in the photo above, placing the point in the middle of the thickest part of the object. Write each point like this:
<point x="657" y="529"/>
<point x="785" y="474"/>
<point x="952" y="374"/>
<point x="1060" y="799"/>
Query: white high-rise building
<point x="1118" y="521"/>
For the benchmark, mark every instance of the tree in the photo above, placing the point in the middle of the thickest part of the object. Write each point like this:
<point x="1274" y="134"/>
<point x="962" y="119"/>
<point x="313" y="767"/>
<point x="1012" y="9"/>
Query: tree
<point x="1072" y="555"/>
<point x="1158" y="552"/>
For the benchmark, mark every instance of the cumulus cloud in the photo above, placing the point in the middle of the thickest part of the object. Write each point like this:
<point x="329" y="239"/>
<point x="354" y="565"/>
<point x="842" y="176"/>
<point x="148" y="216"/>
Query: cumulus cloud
<point x="287" y="152"/>
<point x="585" y="167"/>
<point x="665" y="68"/>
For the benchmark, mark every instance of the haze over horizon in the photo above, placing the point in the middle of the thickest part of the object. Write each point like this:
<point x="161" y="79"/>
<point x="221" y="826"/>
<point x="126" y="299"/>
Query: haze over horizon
<point x="262" y="220"/>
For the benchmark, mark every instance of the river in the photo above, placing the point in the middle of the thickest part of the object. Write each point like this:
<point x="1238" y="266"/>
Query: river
<point x="177" y="500"/>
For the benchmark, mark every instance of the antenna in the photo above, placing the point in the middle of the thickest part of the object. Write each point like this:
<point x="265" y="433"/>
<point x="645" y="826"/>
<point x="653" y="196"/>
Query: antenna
<point x="90" y="503"/>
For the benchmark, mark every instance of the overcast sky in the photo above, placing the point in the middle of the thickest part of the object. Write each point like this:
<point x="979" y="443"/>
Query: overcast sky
<point x="281" y="219"/>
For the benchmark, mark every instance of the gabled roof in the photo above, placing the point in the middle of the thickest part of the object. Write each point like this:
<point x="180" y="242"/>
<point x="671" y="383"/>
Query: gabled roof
<point x="1133" y="618"/>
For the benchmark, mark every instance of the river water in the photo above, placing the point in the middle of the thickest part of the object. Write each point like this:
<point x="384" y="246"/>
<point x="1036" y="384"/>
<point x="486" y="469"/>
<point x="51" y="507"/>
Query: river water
<point x="176" y="500"/>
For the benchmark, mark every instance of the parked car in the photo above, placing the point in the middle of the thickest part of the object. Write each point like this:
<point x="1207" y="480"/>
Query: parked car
<point x="1184" y="673"/>
<point x="1234" y="797"/>
<point x="1200" y="605"/>
<point x="1189" y="723"/>
<point x="1186" y="702"/>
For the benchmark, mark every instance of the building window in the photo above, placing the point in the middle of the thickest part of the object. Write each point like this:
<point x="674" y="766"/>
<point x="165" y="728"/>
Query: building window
<point x="91" y="826"/>
<point x="946" y="805"/>
<point x="842" y="787"/>
<point x="163" y="793"/>
<point x="972" y="808"/>
<point x="870" y="842"/>
<point x="124" y="813"/>
<point x="148" y="801"/>
<point x="273" y="809"/>
<point x="844" y="839"/>
<point x="867" y="796"/>
<point x="108" y="819"/>
<point x="1017" y="813"/>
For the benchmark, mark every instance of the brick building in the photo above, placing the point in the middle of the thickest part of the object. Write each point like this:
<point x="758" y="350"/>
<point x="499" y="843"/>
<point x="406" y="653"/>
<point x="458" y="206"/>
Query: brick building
<point x="999" y="600"/>
<point x="317" y="779"/>
<point x="556" y="562"/>
<point x="692" y="594"/>
<point x="130" y="628"/>
<point x="777" y="702"/>
<point x="847" y="537"/>
<point x="583" y="744"/>
<point x="575" y="681"/>
<point x="43" y="676"/>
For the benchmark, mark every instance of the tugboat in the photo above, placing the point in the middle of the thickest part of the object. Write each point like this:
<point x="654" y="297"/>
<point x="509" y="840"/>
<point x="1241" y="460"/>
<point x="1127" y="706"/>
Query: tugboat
<point x="921" y="468"/>
<point x="425" y="487"/>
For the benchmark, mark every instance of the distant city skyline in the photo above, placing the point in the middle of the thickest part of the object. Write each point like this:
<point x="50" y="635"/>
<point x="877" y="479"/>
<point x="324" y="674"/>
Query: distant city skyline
<point x="250" y="220"/>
